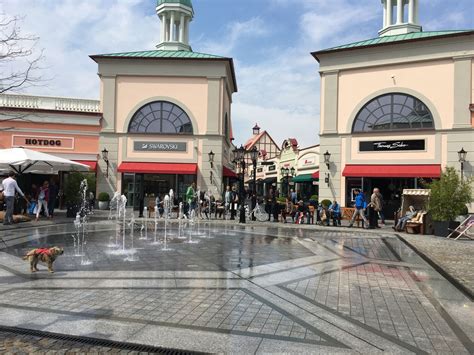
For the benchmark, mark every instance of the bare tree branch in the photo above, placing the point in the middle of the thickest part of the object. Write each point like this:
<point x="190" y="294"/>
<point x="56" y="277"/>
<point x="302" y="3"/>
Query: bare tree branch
<point x="19" y="61"/>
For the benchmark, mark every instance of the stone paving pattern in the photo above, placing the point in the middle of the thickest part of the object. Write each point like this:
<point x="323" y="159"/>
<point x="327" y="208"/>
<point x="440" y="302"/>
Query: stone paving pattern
<point x="225" y="310"/>
<point x="251" y="290"/>
<point x="453" y="256"/>
<point x="385" y="298"/>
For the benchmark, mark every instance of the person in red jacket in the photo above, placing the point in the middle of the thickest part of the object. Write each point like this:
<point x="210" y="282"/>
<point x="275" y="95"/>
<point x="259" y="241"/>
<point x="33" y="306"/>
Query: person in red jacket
<point x="43" y="197"/>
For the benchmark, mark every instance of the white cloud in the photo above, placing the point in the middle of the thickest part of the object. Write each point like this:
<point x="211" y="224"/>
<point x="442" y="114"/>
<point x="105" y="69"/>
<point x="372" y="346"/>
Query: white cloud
<point x="71" y="30"/>
<point x="235" y="32"/>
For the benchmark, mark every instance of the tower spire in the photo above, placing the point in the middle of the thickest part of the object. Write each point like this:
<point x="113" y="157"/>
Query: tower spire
<point x="175" y="16"/>
<point x="400" y="17"/>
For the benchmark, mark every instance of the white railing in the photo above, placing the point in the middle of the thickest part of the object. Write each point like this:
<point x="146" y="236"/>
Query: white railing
<point x="49" y="103"/>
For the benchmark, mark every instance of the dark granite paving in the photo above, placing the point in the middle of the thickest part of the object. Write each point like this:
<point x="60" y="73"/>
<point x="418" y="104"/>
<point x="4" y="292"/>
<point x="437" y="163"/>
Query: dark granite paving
<point x="225" y="250"/>
<point x="236" y="290"/>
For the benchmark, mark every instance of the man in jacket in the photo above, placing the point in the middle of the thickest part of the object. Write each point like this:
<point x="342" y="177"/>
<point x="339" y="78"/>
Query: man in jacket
<point x="375" y="206"/>
<point x="9" y="187"/>
<point x="360" y="205"/>
<point x="335" y="212"/>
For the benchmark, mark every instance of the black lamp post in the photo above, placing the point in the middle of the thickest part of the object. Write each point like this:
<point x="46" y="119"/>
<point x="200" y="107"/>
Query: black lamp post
<point x="327" y="161"/>
<point x="462" y="159"/>
<point x="211" y="155"/>
<point x="286" y="174"/>
<point x="254" y="157"/>
<point x="239" y="154"/>
<point x="105" y="157"/>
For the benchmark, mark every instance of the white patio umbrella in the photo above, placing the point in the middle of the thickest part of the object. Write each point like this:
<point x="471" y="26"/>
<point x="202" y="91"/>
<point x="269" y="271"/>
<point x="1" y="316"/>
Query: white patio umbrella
<point x="22" y="160"/>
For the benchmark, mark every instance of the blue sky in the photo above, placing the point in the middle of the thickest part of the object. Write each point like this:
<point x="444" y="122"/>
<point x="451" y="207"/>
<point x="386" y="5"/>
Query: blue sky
<point x="270" y="41"/>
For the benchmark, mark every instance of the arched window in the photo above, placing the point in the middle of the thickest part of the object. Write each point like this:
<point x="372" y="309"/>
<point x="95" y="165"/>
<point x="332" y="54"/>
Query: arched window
<point x="393" y="112"/>
<point x="160" y="117"/>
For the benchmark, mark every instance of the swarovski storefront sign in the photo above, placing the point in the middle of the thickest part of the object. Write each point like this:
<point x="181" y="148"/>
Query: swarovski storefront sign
<point x="383" y="146"/>
<point x="160" y="146"/>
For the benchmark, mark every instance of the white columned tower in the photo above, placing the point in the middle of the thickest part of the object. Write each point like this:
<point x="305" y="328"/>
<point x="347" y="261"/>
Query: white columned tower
<point x="405" y="19"/>
<point x="175" y="16"/>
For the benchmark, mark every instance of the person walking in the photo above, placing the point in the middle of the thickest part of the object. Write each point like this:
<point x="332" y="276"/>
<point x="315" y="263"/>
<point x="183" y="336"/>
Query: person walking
<point x="380" y="212"/>
<point x="375" y="206"/>
<point x="227" y="200"/>
<point x="234" y="200"/>
<point x="191" y="198"/>
<point x="43" y="197"/>
<point x="9" y="187"/>
<point x="53" y="195"/>
<point x="359" y="210"/>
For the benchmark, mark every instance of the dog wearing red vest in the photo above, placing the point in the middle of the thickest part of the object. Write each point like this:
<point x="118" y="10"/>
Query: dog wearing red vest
<point x="45" y="255"/>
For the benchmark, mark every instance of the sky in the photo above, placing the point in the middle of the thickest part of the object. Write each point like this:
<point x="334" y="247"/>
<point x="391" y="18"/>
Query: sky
<point x="269" y="40"/>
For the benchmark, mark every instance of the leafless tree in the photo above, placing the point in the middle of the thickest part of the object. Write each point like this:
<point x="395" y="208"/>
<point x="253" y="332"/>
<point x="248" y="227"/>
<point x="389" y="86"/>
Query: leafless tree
<point x="19" y="60"/>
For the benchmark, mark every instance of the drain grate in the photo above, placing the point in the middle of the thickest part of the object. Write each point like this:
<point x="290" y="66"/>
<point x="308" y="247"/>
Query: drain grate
<point x="97" y="342"/>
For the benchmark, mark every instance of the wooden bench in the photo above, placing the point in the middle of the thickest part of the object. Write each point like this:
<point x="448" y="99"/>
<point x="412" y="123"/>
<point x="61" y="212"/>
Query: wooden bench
<point x="348" y="212"/>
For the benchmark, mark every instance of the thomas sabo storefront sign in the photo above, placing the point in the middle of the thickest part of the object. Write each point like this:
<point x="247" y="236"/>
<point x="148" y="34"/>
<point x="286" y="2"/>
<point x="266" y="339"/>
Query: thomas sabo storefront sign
<point x="160" y="146"/>
<point x="384" y="146"/>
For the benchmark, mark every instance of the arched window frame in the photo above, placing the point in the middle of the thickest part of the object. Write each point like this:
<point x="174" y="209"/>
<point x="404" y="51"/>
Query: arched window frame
<point x="378" y="108"/>
<point x="159" y="112"/>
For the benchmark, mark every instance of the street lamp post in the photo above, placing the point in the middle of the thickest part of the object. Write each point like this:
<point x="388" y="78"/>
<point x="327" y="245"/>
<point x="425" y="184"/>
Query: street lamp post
<point x="239" y="154"/>
<point x="327" y="161"/>
<point x="286" y="174"/>
<point x="211" y="155"/>
<point x="254" y="157"/>
<point x="462" y="159"/>
<point x="105" y="157"/>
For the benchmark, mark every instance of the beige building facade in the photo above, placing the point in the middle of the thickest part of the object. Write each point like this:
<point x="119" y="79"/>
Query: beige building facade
<point x="164" y="111"/>
<point x="395" y="111"/>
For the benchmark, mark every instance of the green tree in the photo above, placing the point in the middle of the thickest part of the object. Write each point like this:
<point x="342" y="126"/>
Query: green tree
<point x="449" y="195"/>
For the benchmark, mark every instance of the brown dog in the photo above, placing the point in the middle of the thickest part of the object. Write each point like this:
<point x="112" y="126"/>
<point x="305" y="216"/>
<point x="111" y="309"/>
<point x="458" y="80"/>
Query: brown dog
<point x="46" y="255"/>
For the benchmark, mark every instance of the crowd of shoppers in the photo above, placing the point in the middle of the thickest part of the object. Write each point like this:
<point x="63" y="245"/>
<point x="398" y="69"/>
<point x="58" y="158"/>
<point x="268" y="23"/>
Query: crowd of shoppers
<point x="38" y="201"/>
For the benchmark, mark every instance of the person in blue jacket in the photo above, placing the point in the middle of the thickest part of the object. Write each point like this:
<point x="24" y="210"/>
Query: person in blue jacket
<point x="360" y="206"/>
<point x="335" y="211"/>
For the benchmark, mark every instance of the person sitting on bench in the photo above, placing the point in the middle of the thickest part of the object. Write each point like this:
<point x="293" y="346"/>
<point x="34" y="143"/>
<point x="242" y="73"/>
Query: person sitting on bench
<point x="400" y="227"/>
<point x="335" y="214"/>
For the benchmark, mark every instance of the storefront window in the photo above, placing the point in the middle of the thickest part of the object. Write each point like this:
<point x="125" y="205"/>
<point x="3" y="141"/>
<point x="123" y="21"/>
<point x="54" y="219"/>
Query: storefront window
<point x="393" y="112"/>
<point x="161" y="117"/>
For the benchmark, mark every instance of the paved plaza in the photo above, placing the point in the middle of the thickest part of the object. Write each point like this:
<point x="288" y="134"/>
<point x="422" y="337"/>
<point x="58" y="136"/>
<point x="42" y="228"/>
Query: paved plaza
<point x="225" y="288"/>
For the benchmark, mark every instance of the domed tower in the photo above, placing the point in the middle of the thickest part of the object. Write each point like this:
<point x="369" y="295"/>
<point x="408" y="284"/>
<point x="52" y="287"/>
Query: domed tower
<point x="400" y="17"/>
<point x="175" y="16"/>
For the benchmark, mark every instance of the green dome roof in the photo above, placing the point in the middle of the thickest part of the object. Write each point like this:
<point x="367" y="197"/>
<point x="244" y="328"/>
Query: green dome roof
<point x="182" y="2"/>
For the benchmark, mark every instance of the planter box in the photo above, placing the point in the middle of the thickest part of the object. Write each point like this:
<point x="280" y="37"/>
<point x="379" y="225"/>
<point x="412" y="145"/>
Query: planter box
<point x="71" y="211"/>
<point x="442" y="229"/>
<point x="103" y="205"/>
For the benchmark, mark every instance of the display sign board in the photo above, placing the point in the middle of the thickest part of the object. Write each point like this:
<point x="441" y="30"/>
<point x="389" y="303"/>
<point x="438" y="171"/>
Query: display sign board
<point x="160" y="146"/>
<point x="272" y="168"/>
<point x="384" y="146"/>
<point x="43" y="142"/>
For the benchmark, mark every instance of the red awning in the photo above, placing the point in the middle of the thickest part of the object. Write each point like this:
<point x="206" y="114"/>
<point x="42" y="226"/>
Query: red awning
<point x="91" y="163"/>
<point x="158" y="168"/>
<point x="226" y="172"/>
<point x="315" y="175"/>
<point x="401" y="171"/>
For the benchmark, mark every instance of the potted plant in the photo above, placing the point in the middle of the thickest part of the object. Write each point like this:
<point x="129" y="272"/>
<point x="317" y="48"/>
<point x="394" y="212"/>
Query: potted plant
<point x="71" y="193"/>
<point x="104" y="199"/>
<point x="326" y="203"/>
<point x="449" y="196"/>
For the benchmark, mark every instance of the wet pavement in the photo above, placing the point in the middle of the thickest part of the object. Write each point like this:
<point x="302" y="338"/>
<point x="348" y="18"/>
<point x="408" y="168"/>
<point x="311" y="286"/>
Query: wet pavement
<point x="249" y="289"/>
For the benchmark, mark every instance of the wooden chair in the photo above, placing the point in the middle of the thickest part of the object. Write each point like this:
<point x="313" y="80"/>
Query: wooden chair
<point x="464" y="230"/>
